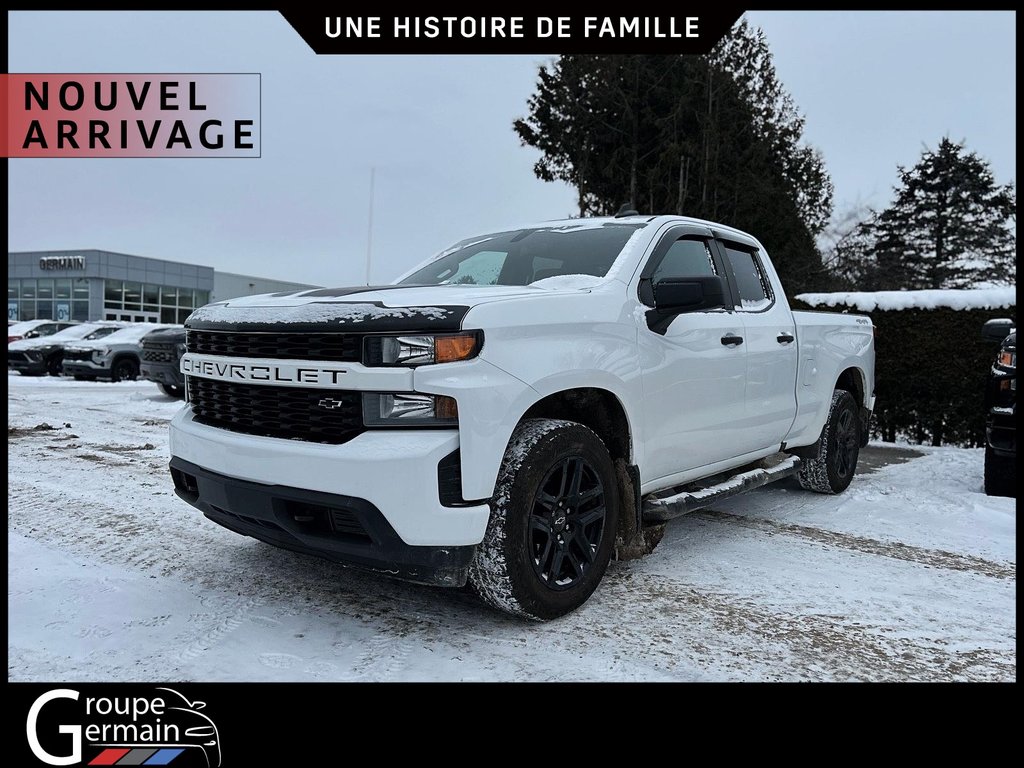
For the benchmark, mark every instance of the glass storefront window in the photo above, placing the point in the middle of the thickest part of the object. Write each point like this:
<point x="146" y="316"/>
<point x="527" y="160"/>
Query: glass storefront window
<point x="167" y="315"/>
<point x="28" y="291"/>
<point x="81" y="288"/>
<point x="80" y="310"/>
<point x="133" y="296"/>
<point x="202" y="298"/>
<point x="44" y="288"/>
<point x="62" y="287"/>
<point x="44" y="310"/>
<point x="12" y="288"/>
<point x="185" y="296"/>
<point x="168" y="297"/>
<point x="113" y="292"/>
<point x="151" y="293"/>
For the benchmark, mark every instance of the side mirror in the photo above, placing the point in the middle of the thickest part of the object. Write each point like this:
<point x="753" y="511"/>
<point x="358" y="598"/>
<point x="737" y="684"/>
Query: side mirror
<point x="997" y="330"/>
<point x="689" y="294"/>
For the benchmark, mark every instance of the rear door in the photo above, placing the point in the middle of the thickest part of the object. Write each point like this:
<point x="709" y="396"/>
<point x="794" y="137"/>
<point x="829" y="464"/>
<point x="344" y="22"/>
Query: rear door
<point x="770" y="342"/>
<point x="693" y="378"/>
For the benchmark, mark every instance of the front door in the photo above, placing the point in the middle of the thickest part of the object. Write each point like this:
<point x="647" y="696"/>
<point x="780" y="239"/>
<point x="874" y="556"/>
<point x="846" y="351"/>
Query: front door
<point x="693" y="377"/>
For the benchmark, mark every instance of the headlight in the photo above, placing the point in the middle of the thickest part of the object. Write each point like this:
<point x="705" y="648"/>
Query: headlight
<point x="34" y="355"/>
<point x="103" y="352"/>
<point x="413" y="350"/>
<point x="1008" y="359"/>
<point x="180" y="349"/>
<point x="409" y="410"/>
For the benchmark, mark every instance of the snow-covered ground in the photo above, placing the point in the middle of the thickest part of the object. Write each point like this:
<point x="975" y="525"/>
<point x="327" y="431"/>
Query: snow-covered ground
<point x="910" y="575"/>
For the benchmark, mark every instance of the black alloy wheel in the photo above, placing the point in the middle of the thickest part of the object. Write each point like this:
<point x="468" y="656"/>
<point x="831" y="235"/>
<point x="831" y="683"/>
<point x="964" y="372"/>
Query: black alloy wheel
<point x="567" y="522"/>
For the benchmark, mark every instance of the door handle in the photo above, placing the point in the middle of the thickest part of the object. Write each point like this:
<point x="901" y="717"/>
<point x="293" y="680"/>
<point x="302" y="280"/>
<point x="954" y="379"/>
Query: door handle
<point x="732" y="340"/>
<point x="785" y="338"/>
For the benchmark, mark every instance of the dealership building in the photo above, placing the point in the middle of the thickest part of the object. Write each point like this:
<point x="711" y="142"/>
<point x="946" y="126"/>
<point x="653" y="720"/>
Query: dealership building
<point x="102" y="285"/>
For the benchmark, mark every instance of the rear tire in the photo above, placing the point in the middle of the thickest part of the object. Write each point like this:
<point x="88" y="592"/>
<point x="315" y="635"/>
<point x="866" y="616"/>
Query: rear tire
<point x="836" y="464"/>
<point x="1000" y="474"/>
<point x="173" y="390"/>
<point x="83" y="377"/>
<point x="553" y="521"/>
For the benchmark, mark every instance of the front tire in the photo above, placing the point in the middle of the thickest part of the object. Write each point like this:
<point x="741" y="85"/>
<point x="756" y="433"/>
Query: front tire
<point x="836" y="464"/>
<point x="1000" y="474"/>
<point x="553" y="520"/>
<point x="54" y="365"/>
<point x="125" y="369"/>
<point x="173" y="390"/>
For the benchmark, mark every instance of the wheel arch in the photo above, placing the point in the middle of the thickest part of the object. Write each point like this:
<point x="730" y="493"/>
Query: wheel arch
<point x="599" y="409"/>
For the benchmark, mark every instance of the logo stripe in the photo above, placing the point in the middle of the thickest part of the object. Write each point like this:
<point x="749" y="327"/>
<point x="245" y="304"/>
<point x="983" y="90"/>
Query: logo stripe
<point x="136" y="757"/>
<point x="109" y="756"/>
<point x="163" y="756"/>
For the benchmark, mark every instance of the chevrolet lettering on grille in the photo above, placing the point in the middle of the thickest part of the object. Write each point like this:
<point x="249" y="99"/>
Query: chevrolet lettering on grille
<point x="263" y="372"/>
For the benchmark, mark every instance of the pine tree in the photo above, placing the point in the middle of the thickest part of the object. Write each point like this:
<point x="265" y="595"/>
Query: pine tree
<point x="714" y="137"/>
<point x="949" y="226"/>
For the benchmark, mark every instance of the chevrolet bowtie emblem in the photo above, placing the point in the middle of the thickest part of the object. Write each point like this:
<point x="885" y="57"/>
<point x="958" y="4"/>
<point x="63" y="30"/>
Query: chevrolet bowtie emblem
<point x="330" y="402"/>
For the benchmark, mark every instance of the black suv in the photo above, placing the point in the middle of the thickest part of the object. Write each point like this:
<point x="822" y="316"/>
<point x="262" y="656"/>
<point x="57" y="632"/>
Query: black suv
<point x="1001" y="409"/>
<point x="161" y="356"/>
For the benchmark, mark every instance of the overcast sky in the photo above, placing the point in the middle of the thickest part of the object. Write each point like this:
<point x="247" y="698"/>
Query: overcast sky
<point x="875" y="87"/>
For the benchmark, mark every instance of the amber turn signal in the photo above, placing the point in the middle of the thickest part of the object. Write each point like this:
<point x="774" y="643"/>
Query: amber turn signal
<point x="448" y="349"/>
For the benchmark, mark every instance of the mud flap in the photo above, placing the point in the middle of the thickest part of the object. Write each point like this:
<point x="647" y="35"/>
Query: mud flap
<point x="633" y="539"/>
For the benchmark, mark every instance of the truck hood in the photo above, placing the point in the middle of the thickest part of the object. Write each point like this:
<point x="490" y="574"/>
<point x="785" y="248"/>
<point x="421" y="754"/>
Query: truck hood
<point x="371" y="308"/>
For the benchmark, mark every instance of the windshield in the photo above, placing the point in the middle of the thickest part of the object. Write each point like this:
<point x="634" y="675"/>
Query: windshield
<point x="99" y="333"/>
<point x="84" y="331"/>
<point x="134" y="332"/>
<point x="525" y="256"/>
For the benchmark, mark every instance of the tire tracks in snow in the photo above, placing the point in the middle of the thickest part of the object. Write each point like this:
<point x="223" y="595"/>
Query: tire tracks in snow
<point x="934" y="558"/>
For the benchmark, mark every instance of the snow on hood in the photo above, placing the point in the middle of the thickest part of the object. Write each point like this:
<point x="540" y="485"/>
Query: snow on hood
<point x="568" y="282"/>
<point x="351" y="305"/>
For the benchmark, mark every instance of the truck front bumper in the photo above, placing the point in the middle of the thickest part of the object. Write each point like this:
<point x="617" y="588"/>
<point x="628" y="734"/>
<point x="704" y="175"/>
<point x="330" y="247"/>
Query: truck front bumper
<point x="373" y="502"/>
<point x="161" y="373"/>
<point x="84" y="368"/>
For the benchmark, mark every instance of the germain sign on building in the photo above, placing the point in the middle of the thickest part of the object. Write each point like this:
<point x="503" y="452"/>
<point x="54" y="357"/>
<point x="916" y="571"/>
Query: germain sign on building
<point x="62" y="262"/>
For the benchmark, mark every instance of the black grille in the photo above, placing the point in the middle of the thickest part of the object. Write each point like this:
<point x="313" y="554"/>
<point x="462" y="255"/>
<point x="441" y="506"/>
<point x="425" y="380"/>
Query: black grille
<point x="343" y="347"/>
<point x="16" y="357"/>
<point x="289" y="412"/>
<point x="77" y="354"/>
<point x="159" y="353"/>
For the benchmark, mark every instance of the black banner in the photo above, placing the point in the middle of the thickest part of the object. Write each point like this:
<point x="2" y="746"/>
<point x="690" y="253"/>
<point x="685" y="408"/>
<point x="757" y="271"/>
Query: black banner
<point x="690" y="32"/>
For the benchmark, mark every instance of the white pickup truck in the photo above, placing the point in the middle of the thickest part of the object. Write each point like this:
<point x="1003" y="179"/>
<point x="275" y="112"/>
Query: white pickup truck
<point x="521" y="408"/>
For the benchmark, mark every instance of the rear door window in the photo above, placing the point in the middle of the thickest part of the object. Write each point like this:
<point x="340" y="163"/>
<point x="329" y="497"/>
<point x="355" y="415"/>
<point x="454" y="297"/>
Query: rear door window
<point x="751" y="283"/>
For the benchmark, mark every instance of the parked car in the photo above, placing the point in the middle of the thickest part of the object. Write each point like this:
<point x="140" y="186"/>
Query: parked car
<point x="45" y="354"/>
<point x="161" y="359"/>
<point x="520" y="408"/>
<point x="116" y="357"/>
<point x="1001" y="410"/>
<point x="30" y="329"/>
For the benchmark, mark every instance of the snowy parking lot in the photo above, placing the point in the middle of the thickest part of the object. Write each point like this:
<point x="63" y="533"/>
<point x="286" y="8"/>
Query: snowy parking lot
<point x="909" y="575"/>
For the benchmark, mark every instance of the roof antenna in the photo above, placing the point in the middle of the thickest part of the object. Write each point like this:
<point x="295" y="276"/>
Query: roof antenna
<point x="626" y="210"/>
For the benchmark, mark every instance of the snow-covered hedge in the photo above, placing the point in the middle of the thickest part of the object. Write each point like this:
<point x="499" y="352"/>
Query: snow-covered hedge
<point x="931" y="363"/>
<point x="869" y="301"/>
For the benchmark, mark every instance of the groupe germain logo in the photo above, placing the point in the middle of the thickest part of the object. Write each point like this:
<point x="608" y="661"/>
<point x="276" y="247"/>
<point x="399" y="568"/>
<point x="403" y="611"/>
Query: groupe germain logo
<point x="164" y="728"/>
